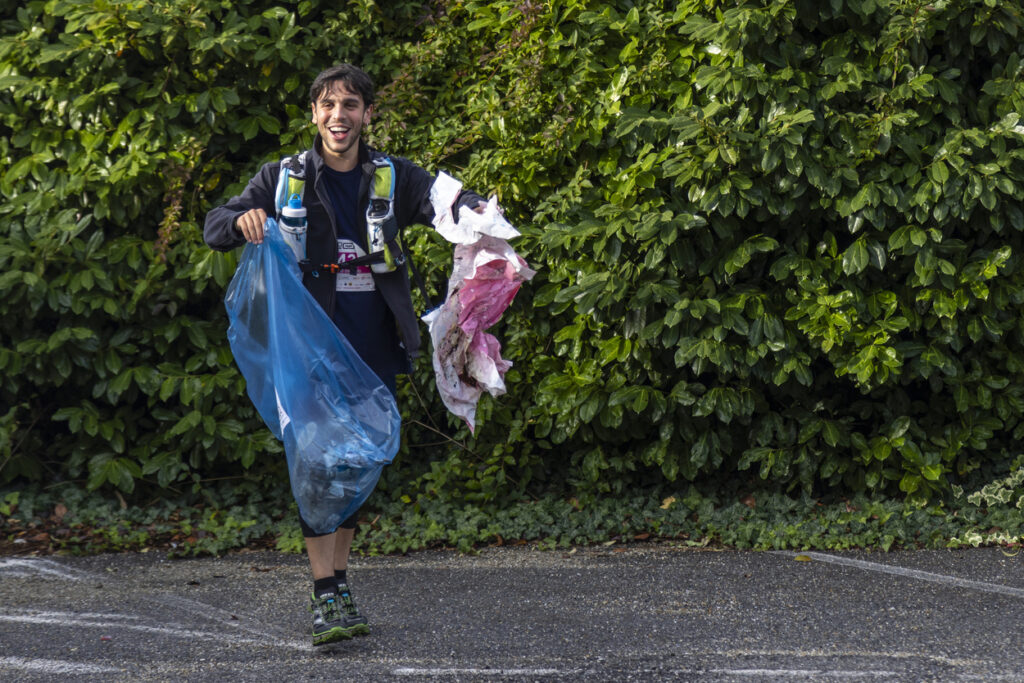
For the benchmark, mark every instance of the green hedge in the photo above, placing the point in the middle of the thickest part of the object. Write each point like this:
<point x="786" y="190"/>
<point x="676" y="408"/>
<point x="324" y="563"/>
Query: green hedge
<point x="776" y="241"/>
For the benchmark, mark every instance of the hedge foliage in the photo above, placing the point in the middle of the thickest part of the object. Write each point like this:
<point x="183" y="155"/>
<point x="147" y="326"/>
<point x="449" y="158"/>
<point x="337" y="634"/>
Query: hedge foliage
<point x="777" y="240"/>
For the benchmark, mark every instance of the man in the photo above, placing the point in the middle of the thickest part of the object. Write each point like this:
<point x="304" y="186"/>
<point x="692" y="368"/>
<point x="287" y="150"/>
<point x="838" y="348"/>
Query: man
<point x="373" y="310"/>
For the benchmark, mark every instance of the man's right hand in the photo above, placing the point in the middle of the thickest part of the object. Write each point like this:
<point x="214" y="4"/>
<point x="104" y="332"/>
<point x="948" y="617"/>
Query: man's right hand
<point x="250" y="224"/>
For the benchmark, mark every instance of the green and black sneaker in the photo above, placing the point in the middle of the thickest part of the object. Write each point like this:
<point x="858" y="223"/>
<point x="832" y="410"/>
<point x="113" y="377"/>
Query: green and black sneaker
<point x="357" y="621"/>
<point x="330" y="622"/>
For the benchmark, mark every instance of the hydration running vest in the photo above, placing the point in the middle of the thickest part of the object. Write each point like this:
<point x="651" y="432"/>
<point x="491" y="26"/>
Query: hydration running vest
<point x="383" y="251"/>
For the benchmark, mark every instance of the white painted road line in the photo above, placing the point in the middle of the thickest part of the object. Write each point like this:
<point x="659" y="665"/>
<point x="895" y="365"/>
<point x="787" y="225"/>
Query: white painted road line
<point x="43" y="614"/>
<point x="417" y="671"/>
<point x="829" y="654"/>
<point x="910" y="573"/>
<point x="118" y="621"/>
<point x="16" y="566"/>
<point x="959" y="665"/>
<point x="877" y="655"/>
<point x="191" y="608"/>
<point x="811" y="674"/>
<point x="53" y="666"/>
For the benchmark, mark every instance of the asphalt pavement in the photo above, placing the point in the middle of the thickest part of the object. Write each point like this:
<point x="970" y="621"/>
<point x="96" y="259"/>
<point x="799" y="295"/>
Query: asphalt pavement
<point x="643" y="613"/>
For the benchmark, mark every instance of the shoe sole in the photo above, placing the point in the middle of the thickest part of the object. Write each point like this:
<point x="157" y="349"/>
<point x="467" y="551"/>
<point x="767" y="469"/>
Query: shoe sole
<point x="334" y="635"/>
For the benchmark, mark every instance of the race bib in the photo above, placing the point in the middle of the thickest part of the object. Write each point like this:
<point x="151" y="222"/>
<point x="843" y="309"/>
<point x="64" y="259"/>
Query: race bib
<point x="362" y="279"/>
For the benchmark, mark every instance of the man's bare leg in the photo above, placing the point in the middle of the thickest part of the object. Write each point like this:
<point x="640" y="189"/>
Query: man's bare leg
<point x="342" y="546"/>
<point x="320" y="550"/>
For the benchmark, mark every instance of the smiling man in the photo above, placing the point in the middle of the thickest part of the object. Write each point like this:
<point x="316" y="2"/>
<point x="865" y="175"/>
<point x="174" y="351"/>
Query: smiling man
<point x="340" y="115"/>
<point x="371" y="305"/>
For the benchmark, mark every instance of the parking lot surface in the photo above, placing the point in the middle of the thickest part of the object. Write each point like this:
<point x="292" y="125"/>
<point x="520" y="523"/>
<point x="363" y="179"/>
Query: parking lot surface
<point x="647" y="612"/>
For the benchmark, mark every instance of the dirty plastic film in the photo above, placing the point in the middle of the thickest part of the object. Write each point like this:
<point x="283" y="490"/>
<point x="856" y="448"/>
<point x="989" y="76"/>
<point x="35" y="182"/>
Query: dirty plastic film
<point x="486" y="275"/>
<point x="338" y="421"/>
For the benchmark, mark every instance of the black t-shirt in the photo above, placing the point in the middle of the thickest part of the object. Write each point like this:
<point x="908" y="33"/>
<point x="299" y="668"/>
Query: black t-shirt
<point x="360" y="311"/>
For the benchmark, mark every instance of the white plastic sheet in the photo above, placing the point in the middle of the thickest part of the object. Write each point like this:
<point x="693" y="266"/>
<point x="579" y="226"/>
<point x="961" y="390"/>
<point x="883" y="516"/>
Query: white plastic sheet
<point x="486" y="275"/>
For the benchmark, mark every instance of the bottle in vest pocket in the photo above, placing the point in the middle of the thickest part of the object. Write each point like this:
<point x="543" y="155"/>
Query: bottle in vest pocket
<point x="378" y="213"/>
<point x="293" y="226"/>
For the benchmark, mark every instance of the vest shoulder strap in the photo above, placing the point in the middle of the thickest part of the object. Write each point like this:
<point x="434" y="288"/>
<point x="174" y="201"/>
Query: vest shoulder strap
<point x="383" y="186"/>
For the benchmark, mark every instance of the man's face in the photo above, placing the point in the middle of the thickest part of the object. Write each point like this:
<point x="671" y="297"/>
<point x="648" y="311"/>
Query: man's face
<point x="340" y="115"/>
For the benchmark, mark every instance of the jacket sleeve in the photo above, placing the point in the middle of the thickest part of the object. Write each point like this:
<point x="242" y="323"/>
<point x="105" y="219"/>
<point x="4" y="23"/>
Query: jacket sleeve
<point x="414" y="187"/>
<point x="219" y="230"/>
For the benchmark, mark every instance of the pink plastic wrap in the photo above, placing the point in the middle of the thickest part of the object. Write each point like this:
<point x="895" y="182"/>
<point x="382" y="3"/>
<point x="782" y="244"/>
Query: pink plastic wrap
<point x="486" y="275"/>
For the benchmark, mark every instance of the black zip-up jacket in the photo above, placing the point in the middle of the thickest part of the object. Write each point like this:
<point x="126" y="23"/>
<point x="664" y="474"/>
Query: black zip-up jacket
<point x="412" y="205"/>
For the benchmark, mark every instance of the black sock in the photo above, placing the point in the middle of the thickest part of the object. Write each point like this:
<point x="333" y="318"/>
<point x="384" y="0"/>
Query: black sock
<point x="339" y="577"/>
<point x="322" y="586"/>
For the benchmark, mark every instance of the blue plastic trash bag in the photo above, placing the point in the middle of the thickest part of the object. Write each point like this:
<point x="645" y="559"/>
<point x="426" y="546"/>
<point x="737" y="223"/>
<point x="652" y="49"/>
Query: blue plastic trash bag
<point x="338" y="421"/>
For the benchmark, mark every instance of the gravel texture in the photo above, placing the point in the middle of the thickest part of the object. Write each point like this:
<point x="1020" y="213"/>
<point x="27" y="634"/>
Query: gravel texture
<point x="650" y="612"/>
